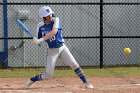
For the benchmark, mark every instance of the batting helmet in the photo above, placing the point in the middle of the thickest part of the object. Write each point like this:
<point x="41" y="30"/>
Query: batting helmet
<point x="45" y="11"/>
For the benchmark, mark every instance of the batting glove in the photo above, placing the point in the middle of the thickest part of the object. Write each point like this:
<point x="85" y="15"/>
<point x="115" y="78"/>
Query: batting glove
<point x="37" y="41"/>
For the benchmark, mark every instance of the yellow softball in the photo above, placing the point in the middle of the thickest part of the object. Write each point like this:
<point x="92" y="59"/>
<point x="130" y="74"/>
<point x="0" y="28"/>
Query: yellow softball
<point x="127" y="51"/>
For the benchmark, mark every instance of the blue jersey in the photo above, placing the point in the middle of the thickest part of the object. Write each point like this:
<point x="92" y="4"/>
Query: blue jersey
<point x="57" y="40"/>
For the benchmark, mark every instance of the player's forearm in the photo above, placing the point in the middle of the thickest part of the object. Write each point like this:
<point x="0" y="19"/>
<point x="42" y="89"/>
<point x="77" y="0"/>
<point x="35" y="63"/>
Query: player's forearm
<point x="51" y="34"/>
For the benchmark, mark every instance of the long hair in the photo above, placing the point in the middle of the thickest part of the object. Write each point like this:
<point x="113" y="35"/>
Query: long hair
<point x="53" y="15"/>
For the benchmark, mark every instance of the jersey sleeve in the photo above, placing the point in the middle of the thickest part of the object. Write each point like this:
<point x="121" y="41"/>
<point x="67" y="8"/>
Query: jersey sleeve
<point x="38" y="33"/>
<point x="56" y="22"/>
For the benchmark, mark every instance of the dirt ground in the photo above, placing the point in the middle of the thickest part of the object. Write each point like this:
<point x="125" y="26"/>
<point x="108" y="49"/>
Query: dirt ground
<point x="71" y="85"/>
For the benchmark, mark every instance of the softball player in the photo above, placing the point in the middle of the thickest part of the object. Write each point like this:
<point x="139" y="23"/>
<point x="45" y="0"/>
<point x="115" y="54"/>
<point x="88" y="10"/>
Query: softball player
<point x="49" y="31"/>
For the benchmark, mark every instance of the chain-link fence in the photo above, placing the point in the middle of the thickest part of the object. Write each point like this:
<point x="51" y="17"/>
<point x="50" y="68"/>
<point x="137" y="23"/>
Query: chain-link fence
<point x="95" y="32"/>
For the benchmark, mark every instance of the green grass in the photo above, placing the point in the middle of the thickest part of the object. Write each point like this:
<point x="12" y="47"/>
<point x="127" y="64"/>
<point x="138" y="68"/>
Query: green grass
<point x="91" y="71"/>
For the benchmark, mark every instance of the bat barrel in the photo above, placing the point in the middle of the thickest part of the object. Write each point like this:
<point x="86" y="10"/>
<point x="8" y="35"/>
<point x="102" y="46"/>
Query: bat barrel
<point x="24" y="27"/>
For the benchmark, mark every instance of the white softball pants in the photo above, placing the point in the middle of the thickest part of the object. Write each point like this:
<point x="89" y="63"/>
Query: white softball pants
<point x="63" y="54"/>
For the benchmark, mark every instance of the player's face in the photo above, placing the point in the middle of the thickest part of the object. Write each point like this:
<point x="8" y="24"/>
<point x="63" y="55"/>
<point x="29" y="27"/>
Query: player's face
<point x="47" y="19"/>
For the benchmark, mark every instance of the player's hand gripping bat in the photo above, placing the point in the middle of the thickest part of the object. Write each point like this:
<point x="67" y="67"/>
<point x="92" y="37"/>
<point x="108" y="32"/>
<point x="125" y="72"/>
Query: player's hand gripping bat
<point x="25" y="28"/>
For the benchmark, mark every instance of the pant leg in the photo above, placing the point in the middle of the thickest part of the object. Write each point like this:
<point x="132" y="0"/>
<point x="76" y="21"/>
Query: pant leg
<point x="51" y="57"/>
<point x="67" y="58"/>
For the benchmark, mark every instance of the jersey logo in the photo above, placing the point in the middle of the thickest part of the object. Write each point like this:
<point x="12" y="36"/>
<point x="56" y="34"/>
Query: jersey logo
<point x="42" y="29"/>
<point x="44" y="33"/>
